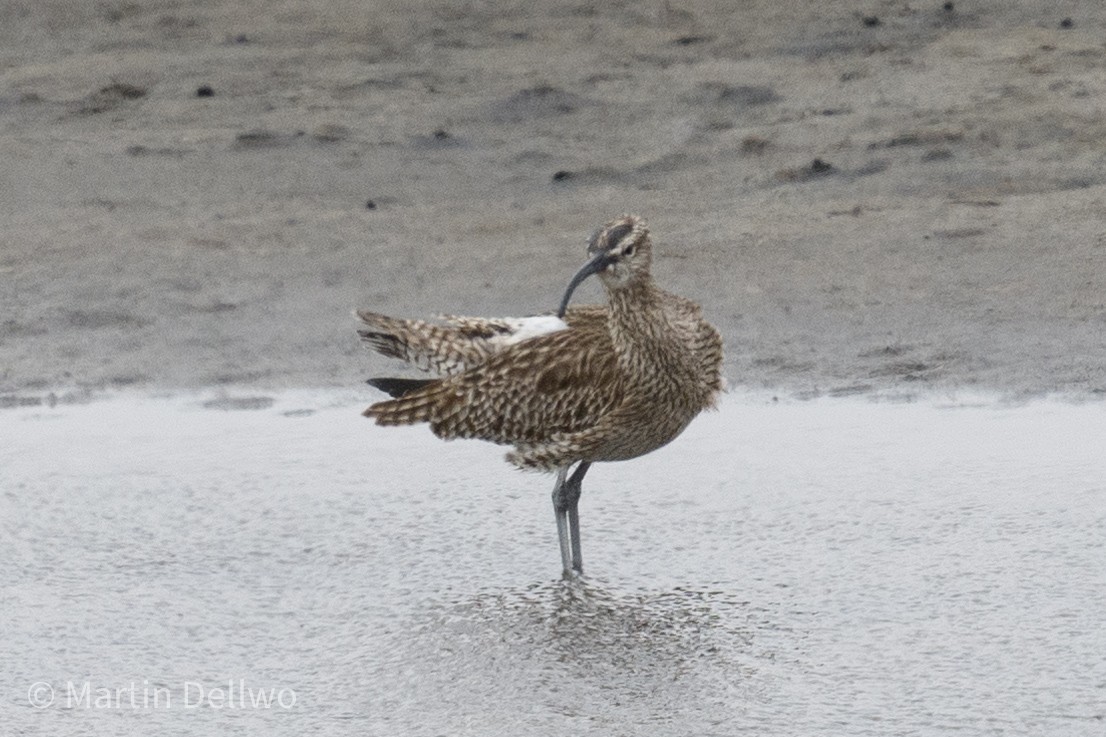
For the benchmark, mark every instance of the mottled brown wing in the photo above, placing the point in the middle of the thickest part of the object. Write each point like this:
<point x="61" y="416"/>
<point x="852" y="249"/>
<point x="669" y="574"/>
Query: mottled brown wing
<point x="460" y="344"/>
<point x="491" y="328"/>
<point x="587" y="316"/>
<point x="477" y="327"/>
<point x="428" y="347"/>
<point x="555" y="383"/>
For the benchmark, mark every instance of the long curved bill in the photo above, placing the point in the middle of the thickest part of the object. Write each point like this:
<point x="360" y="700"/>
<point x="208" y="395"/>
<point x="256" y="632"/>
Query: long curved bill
<point x="597" y="263"/>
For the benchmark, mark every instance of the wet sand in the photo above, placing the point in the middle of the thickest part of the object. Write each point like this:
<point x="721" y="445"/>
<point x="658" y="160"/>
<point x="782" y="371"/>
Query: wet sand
<point x="866" y="197"/>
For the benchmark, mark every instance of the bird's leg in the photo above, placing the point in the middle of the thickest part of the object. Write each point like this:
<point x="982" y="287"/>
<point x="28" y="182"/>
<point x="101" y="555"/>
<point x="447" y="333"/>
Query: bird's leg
<point x="560" y="510"/>
<point x="572" y="492"/>
<point x="566" y="502"/>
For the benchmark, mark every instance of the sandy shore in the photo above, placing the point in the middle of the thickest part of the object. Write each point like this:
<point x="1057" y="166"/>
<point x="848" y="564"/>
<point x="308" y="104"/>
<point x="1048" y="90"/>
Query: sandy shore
<point x="866" y="197"/>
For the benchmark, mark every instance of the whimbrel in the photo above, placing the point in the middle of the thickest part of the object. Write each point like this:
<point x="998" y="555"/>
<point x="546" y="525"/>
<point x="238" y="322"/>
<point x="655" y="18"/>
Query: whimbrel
<point x="591" y="384"/>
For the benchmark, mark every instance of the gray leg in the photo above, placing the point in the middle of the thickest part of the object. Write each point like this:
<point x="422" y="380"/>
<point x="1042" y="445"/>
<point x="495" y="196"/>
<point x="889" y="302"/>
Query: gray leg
<point x="573" y="487"/>
<point x="560" y="510"/>
<point x="574" y="535"/>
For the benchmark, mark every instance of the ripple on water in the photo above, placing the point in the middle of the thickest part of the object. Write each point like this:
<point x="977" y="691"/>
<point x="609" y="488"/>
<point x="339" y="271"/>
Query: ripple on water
<point x="511" y="661"/>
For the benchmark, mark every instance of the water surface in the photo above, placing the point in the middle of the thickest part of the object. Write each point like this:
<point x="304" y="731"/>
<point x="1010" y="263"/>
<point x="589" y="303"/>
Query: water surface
<point x="817" y="568"/>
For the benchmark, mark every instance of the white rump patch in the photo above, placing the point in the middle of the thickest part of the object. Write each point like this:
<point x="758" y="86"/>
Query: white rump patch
<point x="524" y="328"/>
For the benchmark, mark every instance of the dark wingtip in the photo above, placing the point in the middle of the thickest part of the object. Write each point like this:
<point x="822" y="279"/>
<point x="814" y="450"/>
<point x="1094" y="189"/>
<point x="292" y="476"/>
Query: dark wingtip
<point x="385" y="344"/>
<point x="396" y="388"/>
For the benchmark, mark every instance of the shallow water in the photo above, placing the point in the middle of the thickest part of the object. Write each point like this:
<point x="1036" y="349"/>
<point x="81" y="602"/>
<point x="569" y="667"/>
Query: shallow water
<point x="817" y="568"/>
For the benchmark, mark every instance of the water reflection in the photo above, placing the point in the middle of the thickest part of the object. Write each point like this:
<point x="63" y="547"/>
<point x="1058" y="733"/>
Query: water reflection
<point x="580" y="647"/>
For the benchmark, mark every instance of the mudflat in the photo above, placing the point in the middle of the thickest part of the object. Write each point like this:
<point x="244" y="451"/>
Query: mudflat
<point x="866" y="197"/>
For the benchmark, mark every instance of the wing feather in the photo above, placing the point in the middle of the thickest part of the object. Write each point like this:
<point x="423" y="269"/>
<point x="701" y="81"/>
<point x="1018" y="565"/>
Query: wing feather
<point x="528" y="392"/>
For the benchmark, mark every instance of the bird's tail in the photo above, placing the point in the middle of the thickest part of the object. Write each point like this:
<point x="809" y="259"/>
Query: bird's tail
<point x="429" y="402"/>
<point x="395" y="387"/>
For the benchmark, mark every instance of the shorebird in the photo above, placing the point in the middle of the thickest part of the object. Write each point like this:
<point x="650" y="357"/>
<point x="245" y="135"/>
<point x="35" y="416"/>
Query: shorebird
<point x="590" y="384"/>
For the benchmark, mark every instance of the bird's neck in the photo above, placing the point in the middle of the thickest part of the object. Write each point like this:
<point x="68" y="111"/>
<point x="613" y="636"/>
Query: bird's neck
<point x="645" y="334"/>
<point x="637" y="318"/>
<point x="634" y="301"/>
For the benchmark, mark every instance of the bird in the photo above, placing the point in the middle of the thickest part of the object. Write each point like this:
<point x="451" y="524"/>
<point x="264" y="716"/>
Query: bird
<point x="587" y="384"/>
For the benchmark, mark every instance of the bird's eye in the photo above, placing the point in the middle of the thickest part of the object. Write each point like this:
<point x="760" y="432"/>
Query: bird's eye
<point x="629" y="250"/>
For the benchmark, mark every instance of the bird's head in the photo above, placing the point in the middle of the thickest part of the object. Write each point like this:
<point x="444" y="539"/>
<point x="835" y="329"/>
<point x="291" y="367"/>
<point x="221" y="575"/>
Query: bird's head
<point x="620" y="253"/>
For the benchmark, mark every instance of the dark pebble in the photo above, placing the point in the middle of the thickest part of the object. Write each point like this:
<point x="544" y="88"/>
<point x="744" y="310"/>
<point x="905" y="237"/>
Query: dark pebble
<point x="690" y="40"/>
<point x="871" y="21"/>
<point x="949" y="7"/>
<point x="562" y="175"/>
<point x="205" y="91"/>
<point x="1067" y="23"/>
<point x="820" y="167"/>
<point x="241" y="39"/>
<point x="441" y="135"/>
<point x="370" y="205"/>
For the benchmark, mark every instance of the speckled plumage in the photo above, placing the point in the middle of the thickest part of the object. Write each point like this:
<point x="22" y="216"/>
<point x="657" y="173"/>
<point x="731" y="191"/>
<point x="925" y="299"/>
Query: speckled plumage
<point x="620" y="381"/>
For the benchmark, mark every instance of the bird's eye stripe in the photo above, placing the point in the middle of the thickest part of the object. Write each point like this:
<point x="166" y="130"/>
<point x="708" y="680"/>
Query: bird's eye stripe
<point x="616" y="234"/>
